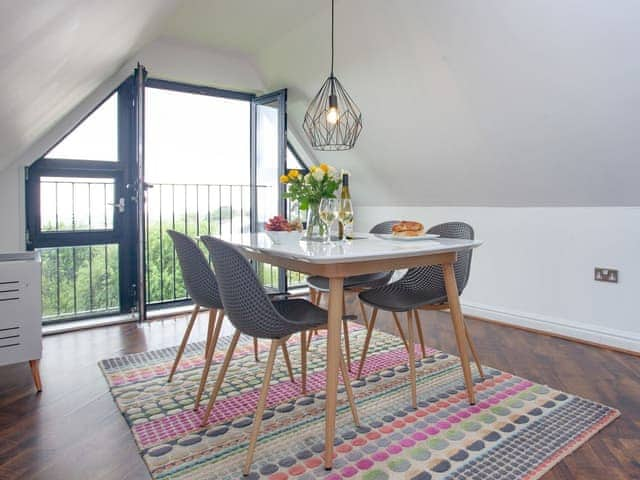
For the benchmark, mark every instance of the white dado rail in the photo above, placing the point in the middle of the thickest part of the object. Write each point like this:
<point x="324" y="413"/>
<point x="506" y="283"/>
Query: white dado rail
<point x="21" y="311"/>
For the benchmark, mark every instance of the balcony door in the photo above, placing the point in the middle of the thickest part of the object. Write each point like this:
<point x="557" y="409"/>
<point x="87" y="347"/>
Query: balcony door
<point x="81" y="217"/>
<point x="208" y="162"/>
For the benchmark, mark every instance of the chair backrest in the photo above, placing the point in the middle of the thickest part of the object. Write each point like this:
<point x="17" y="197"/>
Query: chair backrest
<point x="245" y="302"/>
<point x="431" y="277"/>
<point x="198" y="277"/>
<point x="384" y="227"/>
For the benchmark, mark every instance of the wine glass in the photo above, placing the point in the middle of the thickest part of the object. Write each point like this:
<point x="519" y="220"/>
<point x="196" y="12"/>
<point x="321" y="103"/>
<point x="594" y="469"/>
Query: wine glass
<point x="345" y="215"/>
<point x="329" y="208"/>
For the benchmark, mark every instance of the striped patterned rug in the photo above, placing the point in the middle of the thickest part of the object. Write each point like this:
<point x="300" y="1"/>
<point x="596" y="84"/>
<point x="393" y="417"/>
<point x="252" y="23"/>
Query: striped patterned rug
<point x="517" y="430"/>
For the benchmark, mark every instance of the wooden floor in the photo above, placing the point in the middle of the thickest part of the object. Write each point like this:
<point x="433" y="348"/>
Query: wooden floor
<point x="72" y="430"/>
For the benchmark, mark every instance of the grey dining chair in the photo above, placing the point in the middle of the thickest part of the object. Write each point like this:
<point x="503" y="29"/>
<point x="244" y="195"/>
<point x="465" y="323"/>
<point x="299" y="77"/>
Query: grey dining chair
<point x="320" y="285"/>
<point x="422" y="288"/>
<point x="251" y="312"/>
<point x="202" y="287"/>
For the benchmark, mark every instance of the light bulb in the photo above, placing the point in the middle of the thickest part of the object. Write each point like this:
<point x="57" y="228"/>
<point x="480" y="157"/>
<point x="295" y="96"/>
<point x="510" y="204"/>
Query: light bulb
<point x="332" y="115"/>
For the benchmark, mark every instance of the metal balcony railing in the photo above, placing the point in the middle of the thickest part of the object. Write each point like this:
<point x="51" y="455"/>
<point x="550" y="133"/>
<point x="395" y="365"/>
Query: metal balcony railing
<point x="201" y="209"/>
<point x="80" y="281"/>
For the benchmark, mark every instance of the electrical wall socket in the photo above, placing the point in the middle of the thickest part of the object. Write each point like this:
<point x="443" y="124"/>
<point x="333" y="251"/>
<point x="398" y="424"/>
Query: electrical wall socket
<point x="605" y="275"/>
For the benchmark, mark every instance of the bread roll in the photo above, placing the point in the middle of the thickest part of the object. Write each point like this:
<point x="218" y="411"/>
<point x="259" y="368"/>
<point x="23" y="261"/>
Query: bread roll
<point x="407" y="229"/>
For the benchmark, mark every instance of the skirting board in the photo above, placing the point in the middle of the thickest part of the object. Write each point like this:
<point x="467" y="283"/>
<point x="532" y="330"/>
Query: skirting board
<point x="593" y="334"/>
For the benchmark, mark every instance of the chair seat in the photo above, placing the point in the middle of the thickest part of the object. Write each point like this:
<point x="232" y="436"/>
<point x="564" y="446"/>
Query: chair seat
<point x="301" y="314"/>
<point x="397" y="298"/>
<point x="369" y="280"/>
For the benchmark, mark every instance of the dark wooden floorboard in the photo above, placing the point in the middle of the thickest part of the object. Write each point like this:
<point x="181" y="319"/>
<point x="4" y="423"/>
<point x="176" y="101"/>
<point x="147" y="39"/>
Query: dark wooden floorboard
<point x="72" y="430"/>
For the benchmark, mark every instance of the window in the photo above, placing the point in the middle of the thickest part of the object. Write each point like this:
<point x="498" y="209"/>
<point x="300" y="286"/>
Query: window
<point x="96" y="138"/>
<point x="294" y="160"/>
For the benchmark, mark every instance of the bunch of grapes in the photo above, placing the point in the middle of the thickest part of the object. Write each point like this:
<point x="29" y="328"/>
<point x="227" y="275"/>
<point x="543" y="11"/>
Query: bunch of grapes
<point x="278" y="224"/>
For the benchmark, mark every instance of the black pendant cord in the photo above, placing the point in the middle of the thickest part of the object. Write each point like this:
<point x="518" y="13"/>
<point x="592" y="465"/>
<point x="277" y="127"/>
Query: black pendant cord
<point x="332" y="1"/>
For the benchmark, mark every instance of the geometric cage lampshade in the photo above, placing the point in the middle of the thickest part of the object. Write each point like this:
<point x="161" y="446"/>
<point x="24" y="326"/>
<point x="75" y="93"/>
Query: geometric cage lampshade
<point x="333" y="121"/>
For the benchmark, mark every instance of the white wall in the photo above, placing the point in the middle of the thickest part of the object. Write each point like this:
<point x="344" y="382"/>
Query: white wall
<point x="536" y="266"/>
<point x="166" y="59"/>
<point x="12" y="208"/>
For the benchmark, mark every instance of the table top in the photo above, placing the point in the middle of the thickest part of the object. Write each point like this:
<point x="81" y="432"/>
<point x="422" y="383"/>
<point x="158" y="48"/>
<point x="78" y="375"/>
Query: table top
<point x="365" y="247"/>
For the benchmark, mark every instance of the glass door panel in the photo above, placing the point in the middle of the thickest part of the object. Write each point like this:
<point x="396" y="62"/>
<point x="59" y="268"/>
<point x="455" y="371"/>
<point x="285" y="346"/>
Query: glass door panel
<point x="269" y="156"/>
<point x="197" y="164"/>
<point x="69" y="204"/>
<point x="79" y="281"/>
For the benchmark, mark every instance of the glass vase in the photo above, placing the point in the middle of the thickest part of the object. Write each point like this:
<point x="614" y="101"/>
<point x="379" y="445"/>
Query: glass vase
<point x="317" y="230"/>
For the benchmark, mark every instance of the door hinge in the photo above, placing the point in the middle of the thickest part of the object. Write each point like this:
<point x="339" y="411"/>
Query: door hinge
<point x="27" y="237"/>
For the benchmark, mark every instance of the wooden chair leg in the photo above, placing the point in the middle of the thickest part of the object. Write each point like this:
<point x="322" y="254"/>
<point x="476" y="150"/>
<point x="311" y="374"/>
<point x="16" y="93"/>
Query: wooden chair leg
<point x="309" y="338"/>
<point x="35" y="373"/>
<point x="347" y="343"/>
<point x="412" y="361"/>
<point x="400" y="331"/>
<point x="183" y="344"/>
<point x="255" y="349"/>
<point x="221" y="374"/>
<point x="346" y="380"/>
<point x="472" y="346"/>
<point x="365" y="348"/>
<point x="364" y="314"/>
<point x="257" y="418"/>
<point x="213" y="341"/>
<point x="303" y="361"/>
<point x="285" y="352"/>
<point x="345" y="330"/>
<point x="420" y="336"/>
<point x="210" y="328"/>
<point x="316" y="297"/>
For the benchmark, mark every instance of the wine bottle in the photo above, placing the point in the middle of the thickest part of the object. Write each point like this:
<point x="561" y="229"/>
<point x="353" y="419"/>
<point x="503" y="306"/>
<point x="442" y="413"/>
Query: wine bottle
<point x="345" y="214"/>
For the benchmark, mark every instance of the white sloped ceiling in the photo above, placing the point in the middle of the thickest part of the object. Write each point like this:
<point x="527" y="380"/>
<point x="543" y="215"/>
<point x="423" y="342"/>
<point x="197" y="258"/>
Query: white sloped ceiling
<point x="53" y="54"/>
<point x="492" y="102"/>
<point x="465" y="102"/>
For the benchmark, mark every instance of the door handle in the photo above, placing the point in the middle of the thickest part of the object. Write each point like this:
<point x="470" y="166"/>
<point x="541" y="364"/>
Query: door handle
<point x="120" y="205"/>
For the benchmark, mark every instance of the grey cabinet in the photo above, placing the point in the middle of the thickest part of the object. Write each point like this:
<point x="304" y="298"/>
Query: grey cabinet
<point x="21" y="311"/>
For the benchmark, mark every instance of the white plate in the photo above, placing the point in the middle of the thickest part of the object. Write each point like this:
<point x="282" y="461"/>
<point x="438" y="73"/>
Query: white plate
<point x="389" y="236"/>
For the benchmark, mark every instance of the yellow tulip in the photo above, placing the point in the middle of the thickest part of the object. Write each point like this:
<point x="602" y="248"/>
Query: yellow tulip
<point x="324" y="167"/>
<point x="313" y="168"/>
<point x="293" y="174"/>
<point x="284" y="179"/>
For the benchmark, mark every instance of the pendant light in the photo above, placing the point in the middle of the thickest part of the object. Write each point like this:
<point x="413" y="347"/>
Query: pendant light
<point x="333" y="121"/>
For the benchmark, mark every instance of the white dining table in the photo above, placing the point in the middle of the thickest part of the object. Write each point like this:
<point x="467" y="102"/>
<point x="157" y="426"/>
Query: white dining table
<point x="367" y="253"/>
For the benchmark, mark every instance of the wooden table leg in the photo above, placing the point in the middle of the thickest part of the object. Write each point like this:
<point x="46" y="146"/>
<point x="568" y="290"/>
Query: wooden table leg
<point x="35" y="373"/>
<point x="336" y="293"/>
<point x="458" y="326"/>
